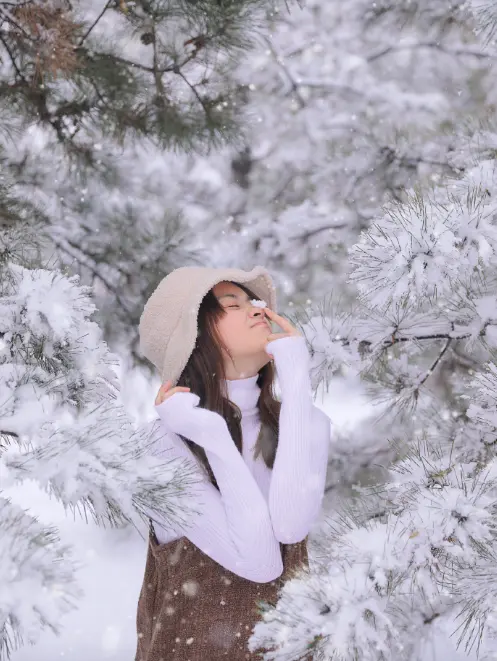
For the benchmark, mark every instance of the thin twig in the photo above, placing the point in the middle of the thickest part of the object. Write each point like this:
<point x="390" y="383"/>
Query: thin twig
<point x="9" y="18"/>
<point x="279" y="61"/>
<point x="173" y="67"/>
<point x="449" y="51"/>
<point x="283" y="187"/>
<point x="12" y="59"/>
<point x="432" y="367"/>
<point x="192" y="87"/>
<point x="98" y="275"/>
<point x="137" y="65"/>
<point x="326" y="84"/>
<point x="117" y="58"/>
<point x="159" y="85"/>
<point x="107" y="5"/>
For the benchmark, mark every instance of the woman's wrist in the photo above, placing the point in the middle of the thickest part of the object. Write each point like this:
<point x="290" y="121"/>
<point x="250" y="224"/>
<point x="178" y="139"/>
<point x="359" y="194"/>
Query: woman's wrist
<point x="292" y="360"/>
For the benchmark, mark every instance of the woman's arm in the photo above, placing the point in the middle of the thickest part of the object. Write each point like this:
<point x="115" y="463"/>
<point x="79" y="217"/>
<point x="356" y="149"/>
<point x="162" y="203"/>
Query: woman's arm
<point x="234" y="526"/>
<point x="299" y="472"/>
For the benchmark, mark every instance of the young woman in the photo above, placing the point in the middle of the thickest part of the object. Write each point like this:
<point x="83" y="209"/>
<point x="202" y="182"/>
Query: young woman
<point x="263" y="461"/>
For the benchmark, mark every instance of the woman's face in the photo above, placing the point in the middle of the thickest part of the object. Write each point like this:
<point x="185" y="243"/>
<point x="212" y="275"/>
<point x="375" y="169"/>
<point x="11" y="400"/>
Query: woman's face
<point x="241" y="329"/>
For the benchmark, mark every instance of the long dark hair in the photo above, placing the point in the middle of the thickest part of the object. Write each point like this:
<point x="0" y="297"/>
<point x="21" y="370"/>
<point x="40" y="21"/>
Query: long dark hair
<point x="204" y="373"/>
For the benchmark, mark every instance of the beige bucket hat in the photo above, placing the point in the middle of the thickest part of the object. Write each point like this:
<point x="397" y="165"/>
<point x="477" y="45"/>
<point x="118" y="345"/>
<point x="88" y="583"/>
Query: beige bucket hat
<point x="169" y="323"/>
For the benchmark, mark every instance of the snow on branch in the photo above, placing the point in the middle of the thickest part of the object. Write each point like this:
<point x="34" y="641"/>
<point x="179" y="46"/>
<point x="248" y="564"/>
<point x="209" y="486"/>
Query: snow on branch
<point x="420" y="248"/>
<point x="485" y="13"/>
<point x="402" y="555"/>
<point x="37" y="575"/>
<point x="387" y="579"/>
<point x="61" y="426"/>
<point x="59" y="399"/>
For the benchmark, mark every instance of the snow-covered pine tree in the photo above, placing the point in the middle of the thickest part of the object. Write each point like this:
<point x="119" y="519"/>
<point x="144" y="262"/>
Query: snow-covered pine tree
<point x="62" y="426"/>
<point x="93" y="93"/>
<point x="414" y="557"/>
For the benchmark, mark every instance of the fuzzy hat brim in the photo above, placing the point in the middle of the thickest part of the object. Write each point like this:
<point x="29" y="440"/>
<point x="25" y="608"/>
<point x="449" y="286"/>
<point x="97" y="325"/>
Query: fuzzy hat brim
<point x="169" y="322"/>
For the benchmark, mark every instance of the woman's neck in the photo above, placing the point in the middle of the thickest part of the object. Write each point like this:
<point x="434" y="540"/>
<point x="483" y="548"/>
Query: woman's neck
<point x="244" y="367"/>
<point x="244" y="393"/>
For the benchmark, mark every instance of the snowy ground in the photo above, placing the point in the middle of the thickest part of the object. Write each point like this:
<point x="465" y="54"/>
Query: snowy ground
<point x="103" y="629"/>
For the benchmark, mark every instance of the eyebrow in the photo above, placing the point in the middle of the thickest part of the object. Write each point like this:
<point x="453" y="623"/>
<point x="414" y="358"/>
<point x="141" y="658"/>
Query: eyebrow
<point x="232" y="296"/>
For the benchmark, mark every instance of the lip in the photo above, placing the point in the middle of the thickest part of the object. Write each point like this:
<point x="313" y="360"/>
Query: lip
<point x="260" y="323"/>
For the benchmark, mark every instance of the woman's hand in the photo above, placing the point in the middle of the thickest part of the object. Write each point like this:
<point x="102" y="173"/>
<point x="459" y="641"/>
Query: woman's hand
<point x="164" y="392"/>
<point x="288" y="329"/>
<point x="186" y="417"/>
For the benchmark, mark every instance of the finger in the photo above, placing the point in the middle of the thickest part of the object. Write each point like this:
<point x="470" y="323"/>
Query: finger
<point x="168" y="395"/>
<point x="163" y="395"/>
<point x="281" y="321"/>
<point x="178" y="389"/>
<point x="276" y="336"/>
<point x="161" y="391"/>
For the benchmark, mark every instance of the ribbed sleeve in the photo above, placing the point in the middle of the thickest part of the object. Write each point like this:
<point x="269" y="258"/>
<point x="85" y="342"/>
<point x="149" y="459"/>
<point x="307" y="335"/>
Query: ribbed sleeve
<point x="234" y="526"/>
<point x="299" y="471"/>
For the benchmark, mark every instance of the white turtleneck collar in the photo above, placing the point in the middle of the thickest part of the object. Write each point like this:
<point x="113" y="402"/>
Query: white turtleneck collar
<point x="244" y="393"/>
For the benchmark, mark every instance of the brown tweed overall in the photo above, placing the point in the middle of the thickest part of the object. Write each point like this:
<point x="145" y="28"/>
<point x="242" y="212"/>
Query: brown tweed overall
<point x="192" y="609"/>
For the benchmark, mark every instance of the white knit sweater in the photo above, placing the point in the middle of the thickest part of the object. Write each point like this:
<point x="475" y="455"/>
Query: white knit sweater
<point x="241" y="526"/>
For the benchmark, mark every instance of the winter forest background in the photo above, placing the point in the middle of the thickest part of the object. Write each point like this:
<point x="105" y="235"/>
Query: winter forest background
<point x="349" y="147"/>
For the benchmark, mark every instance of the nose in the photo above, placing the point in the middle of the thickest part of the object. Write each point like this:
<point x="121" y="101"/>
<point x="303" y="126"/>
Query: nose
<point x="257" y="315"/>
<point x="257" y="312"/>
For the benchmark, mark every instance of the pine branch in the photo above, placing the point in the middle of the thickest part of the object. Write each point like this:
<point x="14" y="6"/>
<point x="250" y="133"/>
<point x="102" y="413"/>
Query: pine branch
<point x="485" y="13"/>
<point x="93" y="270"/>
<point x="39" y="31"/>
<point x="395" y="339"/>
<point x="8" y="434"/>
